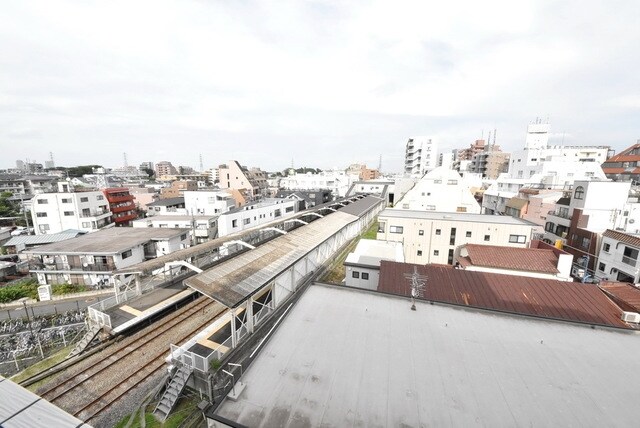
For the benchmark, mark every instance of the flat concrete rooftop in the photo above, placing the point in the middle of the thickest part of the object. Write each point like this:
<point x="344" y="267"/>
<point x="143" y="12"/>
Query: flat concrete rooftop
<point x="436" y="215"/>
<point x="108" y="241"/>
<point x="345" y="357"/>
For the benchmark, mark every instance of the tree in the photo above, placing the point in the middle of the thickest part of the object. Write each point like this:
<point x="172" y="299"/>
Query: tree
<point x="149" y="172"/>
<point x="7" y="207"/>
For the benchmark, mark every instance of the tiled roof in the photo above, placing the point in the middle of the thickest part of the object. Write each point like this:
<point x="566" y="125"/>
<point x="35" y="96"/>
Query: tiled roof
<point x="625" y="295"/>
<point x="547" y="298"/>
<point x="623" y="237"/>
<point x="522" y="259"/>
<point x="624" y="155"/>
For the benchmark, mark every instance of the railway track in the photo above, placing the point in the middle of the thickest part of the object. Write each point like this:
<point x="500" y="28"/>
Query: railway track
<point x="87" y="393"/>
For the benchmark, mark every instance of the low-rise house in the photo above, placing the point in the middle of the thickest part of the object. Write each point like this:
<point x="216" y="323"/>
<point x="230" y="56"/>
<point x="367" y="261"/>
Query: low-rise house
<point x="362" y="266"/>
<point x="434" y="237"/>
<point x="212" y="202"/>
<point x="306" y="198"/>
<point x="255" y="214"/>
<point x="618" y="257"/>
<point x="91" y="259"/>
<point x="202" y="227"/>
<point x="540" y="260"/>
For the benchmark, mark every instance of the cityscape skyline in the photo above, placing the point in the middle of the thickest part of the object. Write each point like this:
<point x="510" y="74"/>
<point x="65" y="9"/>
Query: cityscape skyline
<point x="309" y="81"/>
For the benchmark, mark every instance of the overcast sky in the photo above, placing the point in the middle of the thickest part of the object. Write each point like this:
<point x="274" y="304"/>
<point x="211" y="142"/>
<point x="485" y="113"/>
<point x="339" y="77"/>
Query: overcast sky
<point x="322" y="83"/>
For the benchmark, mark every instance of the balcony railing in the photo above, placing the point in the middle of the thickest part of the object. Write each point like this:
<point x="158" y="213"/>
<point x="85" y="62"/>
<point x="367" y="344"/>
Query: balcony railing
<point x="57" y="266"/>
<point x="629" y="261"/>
<point x="560" y="214"/>
<point x="94" y="213"/>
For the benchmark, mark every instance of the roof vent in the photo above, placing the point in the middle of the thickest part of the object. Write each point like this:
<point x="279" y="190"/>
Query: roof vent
<point x="632" y="317"/>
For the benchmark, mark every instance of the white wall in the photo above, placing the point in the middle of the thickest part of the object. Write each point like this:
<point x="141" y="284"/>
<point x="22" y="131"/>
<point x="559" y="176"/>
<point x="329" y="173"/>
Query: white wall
<point x="56" y="212"/>
<point x="254" y="215"/>
<point x="370" y="284"/>
<point x="207" y="202"/>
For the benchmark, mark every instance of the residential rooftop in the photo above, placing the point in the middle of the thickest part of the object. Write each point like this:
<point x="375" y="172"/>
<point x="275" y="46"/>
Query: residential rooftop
<point x="543" y="260"/>
<point x="538" y="297"/>
<point x="369" y="252"/>
<point x="175" y="218"/>
<point x="627" y="296"/>
<point x="167" y="202"/>
<point x="113" y="240"/>
<point x="627" y="238"/>
<point x="449" y="216"/>
<point x="345" y="357"/>
<point x="43" y="239"/>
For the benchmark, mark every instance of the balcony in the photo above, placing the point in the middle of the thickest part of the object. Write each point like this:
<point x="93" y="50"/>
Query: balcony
<point x="561" y="214"/>
<point x="120" y="198"/>
<point x="125" y="218"/>
<point x="122" y="208"/>
<point x="57" y="266"/>
<point x="94" y="213"/>
<point x="629" y="261"/>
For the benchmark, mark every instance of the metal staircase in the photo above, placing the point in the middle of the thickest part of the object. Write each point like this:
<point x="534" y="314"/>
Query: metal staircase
<point x="85" y="341"/>
<point x="172" y="393"/>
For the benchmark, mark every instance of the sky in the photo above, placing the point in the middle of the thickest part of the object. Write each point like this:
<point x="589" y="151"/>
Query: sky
<point x="310" y="83"/>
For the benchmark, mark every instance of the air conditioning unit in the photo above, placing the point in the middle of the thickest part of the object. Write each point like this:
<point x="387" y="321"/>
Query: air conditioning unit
<point x="632" y="317"/>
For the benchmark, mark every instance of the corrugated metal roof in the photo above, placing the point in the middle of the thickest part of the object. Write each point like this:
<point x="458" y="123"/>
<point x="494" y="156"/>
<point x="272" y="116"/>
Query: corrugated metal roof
<point x="523" y="259"/>
<point x="42" y="239"/>
<point x="623" y="237"/>
<point x="231" y="282"/>
<point x="361" y="206"/>
<point x="627" y="296"/>
<point x="167" y="202"/>
<point x="547" y="298"/>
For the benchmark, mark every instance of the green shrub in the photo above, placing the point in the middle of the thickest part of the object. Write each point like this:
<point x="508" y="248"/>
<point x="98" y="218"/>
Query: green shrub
<point x="18" y="290"/>
<point x="58" y="289"/>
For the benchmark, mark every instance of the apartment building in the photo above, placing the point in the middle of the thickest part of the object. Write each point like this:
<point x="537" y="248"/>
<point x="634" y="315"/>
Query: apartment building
<point x="177" y="189"/>
<point x="255" y="214"/>
<point x="165" y="168"/>
<point x="143" y="196"/>
<point x="442" y="190"/>
<point x="201" y="227"/>
<point x="91" y="259"/>
<point x="625" y="166"/>
<point x="211" y="202"/>
<point x="121" y="205"/>
<point x="434" y="237"/>
<point x="618" y="257"/>
<point x="235" y="176"/>
<point x="337" y="181"/>
<point x="65" y="209"/>
<point x="421" y="156"/>
<point x="172" y="206"/>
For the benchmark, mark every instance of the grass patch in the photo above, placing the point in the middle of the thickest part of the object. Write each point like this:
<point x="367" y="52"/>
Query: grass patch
<point x="184" y="408"/>
<point x="42" y="365"/>
<point x="25" y="288"/>
<point x="336" y="272"/>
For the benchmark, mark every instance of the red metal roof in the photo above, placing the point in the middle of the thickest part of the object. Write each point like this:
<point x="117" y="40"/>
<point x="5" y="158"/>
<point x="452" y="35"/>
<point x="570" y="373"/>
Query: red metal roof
<point x="623" y="237"/>
<point x="625" y="295"/>
<point x="548" y="298"/>
<point x="625" y="155"/>
<point x="541" y="260"/>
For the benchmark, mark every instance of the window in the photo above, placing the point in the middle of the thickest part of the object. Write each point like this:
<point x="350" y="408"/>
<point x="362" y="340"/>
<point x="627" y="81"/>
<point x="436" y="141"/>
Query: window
<point x="85" y="199"/>
<point x="419" y="252"/>
<point x="436" y="252"/>
<point x="86" y="224"/>
<point x="365" y="275"/>
<point x="288" y="209"/>
<point x="355" y="274"/>
<point x="234" y="223"/>
<point x="43" y="201"/>
<point x="381" y="227"/>
<point x="450" y="257"/>
<point x="277" y="213"/>
<point x="43" y="227"/>
<point x="41" y="214"/>
<point x="606" y="247"/>
<point x="246" y="221"/>
<point x="127" y="254"/>
<point x="99" y="197"/>
<point x="452" y="237"/>
<point x="420" y="232"/>
<point x="579" y="193"/>
<point x="461" y="209"/>
<point x="66" y="200"/>
<point x="395" y="229"/>
<point x="437" y="231"/>
<point x="585" y="243"/>
<point x="452" y="182"/>
<point x="437" y="181"/>
<point x="520" y="239"/>
<point x="68" y="213"/>
<point x="468" y="234"/>
<point x="183" y="236"/>
<point x="601" y="267"/>
<point x="86" y="212"/>
<point x="487" y="237"/>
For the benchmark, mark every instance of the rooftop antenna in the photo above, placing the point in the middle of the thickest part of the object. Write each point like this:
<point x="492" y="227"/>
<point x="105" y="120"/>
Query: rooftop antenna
<point x="126" y="163"/>
<point x="380" y="163"/>
<point x="418" y="284"/>
<point x="51" y="158"/>
<point x="495" y="131"/>
<point x="201" y="166"/>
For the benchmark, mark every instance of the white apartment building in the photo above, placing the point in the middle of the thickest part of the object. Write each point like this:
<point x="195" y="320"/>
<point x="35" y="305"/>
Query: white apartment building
<point x="91" y="259"/>
<point x="442" y="190"/>
<point x="337" y="181"/>
<point x="618" y="257"/>
<point x="208" y="202"/>
<point x="550" y="167"/>
<point x="433" y="237"/>
<point x="202" y="227"/>
<point x="421" y="156"/>
<point x="57" y="212"/>
<point x="255" y="214"/>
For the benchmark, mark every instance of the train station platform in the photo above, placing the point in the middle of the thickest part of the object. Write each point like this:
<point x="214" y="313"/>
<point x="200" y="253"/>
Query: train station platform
<point x="130" y="313"/>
